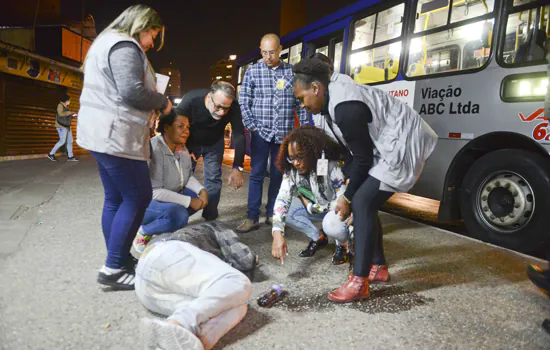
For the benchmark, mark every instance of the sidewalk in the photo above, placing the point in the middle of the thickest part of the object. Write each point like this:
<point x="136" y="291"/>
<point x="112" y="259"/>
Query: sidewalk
<point x="447" y="291"/>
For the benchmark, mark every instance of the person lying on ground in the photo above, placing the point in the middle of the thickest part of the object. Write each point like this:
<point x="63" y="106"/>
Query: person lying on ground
<point x="196" y="277"/>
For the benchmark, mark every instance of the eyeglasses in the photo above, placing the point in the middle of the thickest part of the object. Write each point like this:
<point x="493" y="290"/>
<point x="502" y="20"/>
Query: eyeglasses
<point x="217" y="107"/>
<point x="269" y="53"/>
<point x="298" y="159"/>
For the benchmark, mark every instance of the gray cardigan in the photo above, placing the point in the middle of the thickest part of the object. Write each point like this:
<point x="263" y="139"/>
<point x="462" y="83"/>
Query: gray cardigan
<point x="170" y="173"/>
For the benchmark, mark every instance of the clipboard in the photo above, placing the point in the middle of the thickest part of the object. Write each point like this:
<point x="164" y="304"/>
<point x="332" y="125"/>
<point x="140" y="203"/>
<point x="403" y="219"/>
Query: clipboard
<point x="162" y="82"/>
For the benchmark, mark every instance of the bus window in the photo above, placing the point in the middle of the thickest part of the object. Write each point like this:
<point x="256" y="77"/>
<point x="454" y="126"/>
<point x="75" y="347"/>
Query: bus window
<point x="338" y="55"/>
<point x="525" y="36"/>
<point x="364" y="32"/>
<point x="284" y="55"/>
<point x="463" y="9"/>
<point x="434" y="13"/>
<point x="370" y="60"/>
<point x="522" y="2"/>
<point x="323" y="50"/>
<point x="295" y="53"/>
<point x="462" y="48"/>
<point x="431" y="14"/>
<point x="388" y="25"/>
<point x="376" y="65"/>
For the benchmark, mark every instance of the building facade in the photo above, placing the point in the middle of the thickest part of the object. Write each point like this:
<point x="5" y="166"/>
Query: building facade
<point x="224" y="70"/>
<point x="173" y="90"/>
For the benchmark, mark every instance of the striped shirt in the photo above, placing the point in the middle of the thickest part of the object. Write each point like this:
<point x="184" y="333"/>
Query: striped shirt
<point x="267" y="101"/>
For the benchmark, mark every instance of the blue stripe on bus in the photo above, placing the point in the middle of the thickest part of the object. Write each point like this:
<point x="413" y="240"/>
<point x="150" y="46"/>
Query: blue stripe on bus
<point x="298" y="34"/>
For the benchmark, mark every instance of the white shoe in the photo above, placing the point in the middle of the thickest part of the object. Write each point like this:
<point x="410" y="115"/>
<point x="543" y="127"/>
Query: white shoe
<point x="140" y="242"/>
<point x="159" y="334"/>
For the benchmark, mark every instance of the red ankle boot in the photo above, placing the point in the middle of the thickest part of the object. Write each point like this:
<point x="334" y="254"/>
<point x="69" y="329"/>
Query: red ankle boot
<point x="379" y="274"/>
<point x="354" y="289"/>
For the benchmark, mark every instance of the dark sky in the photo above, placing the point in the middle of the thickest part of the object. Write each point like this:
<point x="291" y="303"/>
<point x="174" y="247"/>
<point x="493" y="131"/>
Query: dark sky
<point x="201" y="32"/>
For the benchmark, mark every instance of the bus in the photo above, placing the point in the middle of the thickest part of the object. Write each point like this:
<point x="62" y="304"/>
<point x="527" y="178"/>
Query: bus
<point x="476" y="71"/>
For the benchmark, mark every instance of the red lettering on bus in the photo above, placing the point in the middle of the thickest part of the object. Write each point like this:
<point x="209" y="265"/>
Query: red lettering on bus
<point x="538" y="114"/>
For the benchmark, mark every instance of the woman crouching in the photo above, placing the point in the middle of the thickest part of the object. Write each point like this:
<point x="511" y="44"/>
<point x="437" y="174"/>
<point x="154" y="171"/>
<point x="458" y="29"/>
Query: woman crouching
<point x="307" y="194"/>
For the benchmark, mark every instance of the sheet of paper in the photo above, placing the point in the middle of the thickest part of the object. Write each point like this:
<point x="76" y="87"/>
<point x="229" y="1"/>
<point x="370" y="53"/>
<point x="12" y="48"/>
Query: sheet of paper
<point x="162" y="82"/>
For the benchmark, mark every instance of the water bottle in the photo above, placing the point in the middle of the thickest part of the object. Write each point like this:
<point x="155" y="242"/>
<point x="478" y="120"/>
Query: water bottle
<point x="273" y="295"/>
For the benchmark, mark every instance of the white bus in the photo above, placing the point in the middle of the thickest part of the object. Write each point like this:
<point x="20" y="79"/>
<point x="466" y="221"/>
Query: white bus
<point x="476" y="71"/>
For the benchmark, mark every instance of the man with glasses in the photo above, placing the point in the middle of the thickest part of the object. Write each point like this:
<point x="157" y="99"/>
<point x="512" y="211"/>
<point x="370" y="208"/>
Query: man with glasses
<point x="209" y="112"/>
<point x="268" y="105"/>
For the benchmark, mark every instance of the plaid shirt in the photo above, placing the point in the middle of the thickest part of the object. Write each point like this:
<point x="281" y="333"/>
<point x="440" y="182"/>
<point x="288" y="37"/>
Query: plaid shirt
<point x="267" y="101"/>
<point x="214" y="237"/>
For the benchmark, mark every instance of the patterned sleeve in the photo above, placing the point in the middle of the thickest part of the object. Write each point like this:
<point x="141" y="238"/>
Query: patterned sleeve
<point x="282" y="203"/>
<point x="338" y="180"/>
<point x="338" y="183"/>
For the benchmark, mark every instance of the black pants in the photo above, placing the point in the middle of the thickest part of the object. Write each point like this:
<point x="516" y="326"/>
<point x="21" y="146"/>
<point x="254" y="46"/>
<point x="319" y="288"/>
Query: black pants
<point x="367" y="231"/>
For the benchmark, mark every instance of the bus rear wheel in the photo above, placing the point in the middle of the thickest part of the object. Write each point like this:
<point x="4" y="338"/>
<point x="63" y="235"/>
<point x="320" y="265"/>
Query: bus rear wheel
<point x="505" y="199"/>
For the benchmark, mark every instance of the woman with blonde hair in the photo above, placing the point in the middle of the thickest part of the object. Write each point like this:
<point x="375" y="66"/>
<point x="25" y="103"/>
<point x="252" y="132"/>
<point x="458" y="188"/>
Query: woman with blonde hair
<point x="116" y="108"/>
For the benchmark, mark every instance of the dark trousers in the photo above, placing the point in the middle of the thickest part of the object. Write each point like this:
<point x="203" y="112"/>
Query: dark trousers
<point x="213" y="158"/>
<point x="367" y="231"/>
<point x="128" y="192"/>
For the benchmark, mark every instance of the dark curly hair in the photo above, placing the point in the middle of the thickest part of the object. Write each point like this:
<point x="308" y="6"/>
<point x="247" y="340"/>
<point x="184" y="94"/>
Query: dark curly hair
<point x="311" y="141"/>
<point x="168" y="120"/>
<point x="311" y="70"/>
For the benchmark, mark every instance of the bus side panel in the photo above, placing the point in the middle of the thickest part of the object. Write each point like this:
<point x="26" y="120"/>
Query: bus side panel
<point x="432" y="180"/>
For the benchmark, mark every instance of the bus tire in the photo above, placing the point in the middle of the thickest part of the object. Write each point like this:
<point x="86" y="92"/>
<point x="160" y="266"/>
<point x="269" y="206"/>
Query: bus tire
<point x="505" y="197"/>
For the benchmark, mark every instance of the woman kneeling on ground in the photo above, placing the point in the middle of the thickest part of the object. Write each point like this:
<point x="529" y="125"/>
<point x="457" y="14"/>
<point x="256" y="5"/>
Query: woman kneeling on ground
<point x="175" y="189"/>
<point x="306" y="195"/>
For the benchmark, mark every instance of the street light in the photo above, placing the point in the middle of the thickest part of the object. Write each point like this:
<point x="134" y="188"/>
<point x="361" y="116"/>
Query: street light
<point x="233" y="57"/>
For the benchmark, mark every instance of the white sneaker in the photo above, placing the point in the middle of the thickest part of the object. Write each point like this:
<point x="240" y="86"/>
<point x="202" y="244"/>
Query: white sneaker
<point x="159" y="334"/>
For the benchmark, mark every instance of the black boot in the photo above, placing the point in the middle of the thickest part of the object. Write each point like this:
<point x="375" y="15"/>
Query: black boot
<point x="340" y="256"/>
<point x="313" y="246"/>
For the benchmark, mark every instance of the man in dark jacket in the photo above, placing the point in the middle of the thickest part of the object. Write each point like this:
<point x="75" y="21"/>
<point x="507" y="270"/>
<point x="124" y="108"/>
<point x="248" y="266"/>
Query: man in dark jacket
<point x="209" y="112"/>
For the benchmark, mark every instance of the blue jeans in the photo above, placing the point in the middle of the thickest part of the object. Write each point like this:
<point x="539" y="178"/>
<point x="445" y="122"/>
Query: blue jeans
<point x="161" y="217"/>
<point x="300" y="219"/>
<point x="128" y="192"/>
<point x="213" y="157"/>
<point x="260" y="150"/>
<point x="65" y="136"/>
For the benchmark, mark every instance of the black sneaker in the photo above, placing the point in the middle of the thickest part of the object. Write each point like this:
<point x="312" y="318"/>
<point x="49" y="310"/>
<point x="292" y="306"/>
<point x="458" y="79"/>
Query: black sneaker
<point x="52" y="157"/>
<point x="123" y="280"/>
<point x="72" y="159"/>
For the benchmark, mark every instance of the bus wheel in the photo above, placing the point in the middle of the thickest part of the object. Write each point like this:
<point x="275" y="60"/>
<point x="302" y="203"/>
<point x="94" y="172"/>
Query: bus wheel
<point x="505" y="199"/>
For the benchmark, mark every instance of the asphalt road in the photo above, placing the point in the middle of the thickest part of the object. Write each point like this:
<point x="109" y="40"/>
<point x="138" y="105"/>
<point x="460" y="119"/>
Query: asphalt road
<point x="448" y="291"/>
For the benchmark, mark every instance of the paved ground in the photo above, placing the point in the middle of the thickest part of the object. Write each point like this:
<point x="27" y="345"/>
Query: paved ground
<point x="448" y="292"/>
